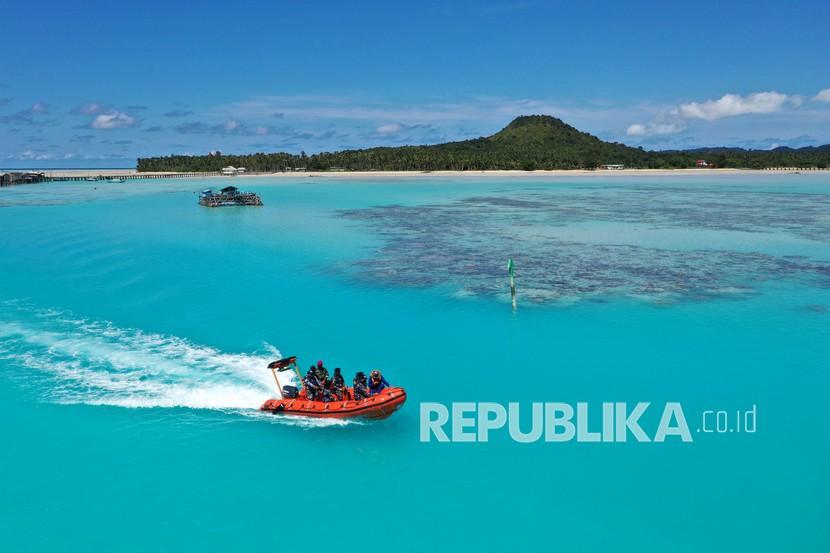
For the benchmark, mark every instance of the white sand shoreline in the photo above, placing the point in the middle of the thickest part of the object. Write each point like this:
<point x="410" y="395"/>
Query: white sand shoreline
<point x="424" y="174"/>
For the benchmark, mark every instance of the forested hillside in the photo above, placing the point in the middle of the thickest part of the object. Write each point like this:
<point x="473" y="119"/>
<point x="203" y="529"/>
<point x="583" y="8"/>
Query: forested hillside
<point x="527" y="143"/>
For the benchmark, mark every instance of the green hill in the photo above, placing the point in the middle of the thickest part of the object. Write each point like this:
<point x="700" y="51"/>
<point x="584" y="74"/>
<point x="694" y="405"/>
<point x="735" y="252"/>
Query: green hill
<point x="544" y="141"/>
<point x="529" y="142"/>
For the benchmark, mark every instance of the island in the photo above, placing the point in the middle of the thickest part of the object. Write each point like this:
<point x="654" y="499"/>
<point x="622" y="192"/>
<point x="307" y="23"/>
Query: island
<point x="529" y="142"/>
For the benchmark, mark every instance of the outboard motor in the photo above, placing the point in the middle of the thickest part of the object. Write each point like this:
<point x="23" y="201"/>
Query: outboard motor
<point x="290" y="392"/>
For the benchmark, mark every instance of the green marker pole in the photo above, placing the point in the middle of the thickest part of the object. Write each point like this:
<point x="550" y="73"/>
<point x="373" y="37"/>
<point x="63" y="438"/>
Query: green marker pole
<point x="510" y="271"/>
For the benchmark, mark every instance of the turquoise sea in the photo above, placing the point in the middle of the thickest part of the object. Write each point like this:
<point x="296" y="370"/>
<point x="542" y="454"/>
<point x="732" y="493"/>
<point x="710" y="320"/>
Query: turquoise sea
<point x="135" y="327"/>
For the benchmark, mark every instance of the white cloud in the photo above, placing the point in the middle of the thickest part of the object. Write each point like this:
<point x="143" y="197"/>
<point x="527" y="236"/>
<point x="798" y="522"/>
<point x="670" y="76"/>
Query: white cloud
<point x="731" y="105"/>
<point x="393" y="129"/>
<point x="652" y="129"/>
<point x="27" y="116"/>
<point x="388" y="129"/>
<point x="89" y="109"/>
<point x="29" y="154"/>
<point x="822" y="96"/>
<point x="230" y="127"/>
<point x="114" y="120"/>
<point x="672" y="120"/>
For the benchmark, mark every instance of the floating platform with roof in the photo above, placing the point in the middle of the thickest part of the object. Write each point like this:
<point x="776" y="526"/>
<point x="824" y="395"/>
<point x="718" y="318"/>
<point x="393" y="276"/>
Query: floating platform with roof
<point x="228" y="196"/>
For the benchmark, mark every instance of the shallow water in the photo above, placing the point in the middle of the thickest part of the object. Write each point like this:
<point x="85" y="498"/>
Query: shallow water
<point x="135" y="328"/>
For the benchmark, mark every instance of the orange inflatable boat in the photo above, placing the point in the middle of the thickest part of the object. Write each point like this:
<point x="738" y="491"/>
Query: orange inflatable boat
<point x="378" y="406"/>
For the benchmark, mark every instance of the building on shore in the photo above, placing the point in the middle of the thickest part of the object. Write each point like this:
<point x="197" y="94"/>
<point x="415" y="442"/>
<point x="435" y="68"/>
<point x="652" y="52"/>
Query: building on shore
<point x="613" y="166"/>
<point x="231" y="171"/>
<point x="701" y="163"/>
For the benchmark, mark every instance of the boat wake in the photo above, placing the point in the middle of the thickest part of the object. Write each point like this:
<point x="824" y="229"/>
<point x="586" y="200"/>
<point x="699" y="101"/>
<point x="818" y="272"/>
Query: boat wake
<point x="97" y="363"/>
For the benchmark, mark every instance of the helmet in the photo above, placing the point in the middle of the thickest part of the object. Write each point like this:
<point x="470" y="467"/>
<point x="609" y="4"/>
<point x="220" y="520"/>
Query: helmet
<point x="319" y="363"/>
<point x="337" y="370"/>
<point x="375" y="374"/>
<point x="359" y="375"/>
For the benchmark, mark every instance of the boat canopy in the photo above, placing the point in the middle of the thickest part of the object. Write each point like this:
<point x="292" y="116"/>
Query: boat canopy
<point x="283" y="364"/>
<point x="229" y="189"/>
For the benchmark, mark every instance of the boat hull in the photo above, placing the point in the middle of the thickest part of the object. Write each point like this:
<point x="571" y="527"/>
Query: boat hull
<point x="378" y="406"/>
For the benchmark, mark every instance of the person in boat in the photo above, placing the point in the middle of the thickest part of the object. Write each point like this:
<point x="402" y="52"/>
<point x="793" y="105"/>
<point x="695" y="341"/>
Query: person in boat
<point x="338" y="385"/>
<point x="325" y="382"/>
<point x="361" y="388"/>
<point x="377" y="383"/>
<point x="312" y="384"/>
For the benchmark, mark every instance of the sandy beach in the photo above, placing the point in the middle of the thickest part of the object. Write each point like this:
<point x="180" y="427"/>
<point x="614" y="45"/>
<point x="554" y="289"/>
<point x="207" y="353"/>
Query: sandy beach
<point x="427" y="174"/>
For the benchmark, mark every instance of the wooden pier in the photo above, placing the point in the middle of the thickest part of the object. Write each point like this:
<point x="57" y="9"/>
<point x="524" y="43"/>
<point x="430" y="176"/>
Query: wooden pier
<point x="125" y="176"/>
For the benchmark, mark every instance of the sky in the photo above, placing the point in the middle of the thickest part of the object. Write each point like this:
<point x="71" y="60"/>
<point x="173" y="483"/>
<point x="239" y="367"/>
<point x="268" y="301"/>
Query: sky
<point x="98" y="84"/>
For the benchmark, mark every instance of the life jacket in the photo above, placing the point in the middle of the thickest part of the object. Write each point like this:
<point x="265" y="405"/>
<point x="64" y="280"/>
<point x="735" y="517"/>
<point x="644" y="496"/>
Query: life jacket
<point x="311" y="382"/>
<point x="360" y="390"/>
<point x="377" y="387"/>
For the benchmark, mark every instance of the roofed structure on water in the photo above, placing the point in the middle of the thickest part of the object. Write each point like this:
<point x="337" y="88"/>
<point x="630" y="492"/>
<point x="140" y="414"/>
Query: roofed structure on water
<point x="8" y="179"/>
<point x="228" y="196"/>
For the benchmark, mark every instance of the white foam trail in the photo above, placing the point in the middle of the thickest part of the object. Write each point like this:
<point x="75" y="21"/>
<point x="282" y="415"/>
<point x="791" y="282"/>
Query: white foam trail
<point x="301" y="422"/>
<point x="97" y="363"/>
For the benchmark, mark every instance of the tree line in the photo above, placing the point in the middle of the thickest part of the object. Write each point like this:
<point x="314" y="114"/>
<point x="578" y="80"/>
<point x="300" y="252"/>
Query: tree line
<point x="528" y="143"/>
